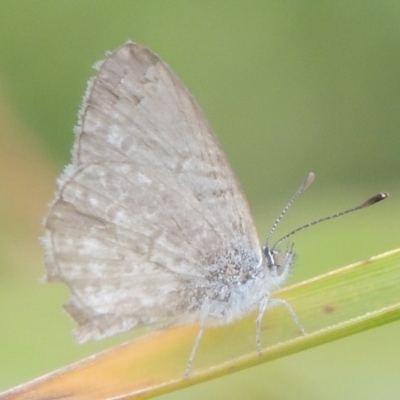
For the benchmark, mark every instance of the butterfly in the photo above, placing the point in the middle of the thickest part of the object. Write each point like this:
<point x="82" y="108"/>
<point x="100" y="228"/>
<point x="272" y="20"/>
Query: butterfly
<point x="149" y="224"/>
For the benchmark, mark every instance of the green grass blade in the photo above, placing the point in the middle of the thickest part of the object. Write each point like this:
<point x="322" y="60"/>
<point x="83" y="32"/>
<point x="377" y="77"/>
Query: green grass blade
<point x="332" y="306"/>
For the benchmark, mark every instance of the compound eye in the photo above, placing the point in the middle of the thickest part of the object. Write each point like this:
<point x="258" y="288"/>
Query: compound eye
<point x="279" y="269"/>
<point x="275" y="261"/>
<point x="279" y="262"/>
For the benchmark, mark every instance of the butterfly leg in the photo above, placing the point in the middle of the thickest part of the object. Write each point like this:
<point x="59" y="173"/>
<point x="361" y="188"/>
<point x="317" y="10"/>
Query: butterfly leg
<point x="266" y="301"/>
<point x="263" y="307"/>
<point x="280" y="302"/>
<point x="193" y="351"/>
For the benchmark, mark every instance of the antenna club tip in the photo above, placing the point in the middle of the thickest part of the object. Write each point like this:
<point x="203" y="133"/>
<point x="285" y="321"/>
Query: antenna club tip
<point x="382" y="196"/>
<point x="376" y="199"/>
<point x="308" y="181"/>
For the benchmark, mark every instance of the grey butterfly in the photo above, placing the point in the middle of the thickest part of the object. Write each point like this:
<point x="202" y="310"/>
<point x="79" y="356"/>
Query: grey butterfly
<point x="149" y="224"/>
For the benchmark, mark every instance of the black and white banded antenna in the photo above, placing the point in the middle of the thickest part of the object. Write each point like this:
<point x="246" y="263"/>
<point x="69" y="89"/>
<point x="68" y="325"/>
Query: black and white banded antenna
<point x="307" y="182"/>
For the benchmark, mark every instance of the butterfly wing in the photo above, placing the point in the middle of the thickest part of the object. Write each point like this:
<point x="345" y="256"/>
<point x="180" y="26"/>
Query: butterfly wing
<point x="149" y="206"/>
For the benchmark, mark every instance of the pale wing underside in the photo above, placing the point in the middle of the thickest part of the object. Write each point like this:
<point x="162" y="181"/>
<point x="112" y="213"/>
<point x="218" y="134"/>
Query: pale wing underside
<point x="147" y="205"/>
<point x="137" y="109"/>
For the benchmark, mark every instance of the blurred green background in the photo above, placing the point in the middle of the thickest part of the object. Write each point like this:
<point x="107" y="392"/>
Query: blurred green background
<point x="289" y="87"/>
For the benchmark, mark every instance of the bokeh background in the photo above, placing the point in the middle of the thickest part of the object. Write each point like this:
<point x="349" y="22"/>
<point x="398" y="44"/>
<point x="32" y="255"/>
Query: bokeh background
<point x="289" y="87"/>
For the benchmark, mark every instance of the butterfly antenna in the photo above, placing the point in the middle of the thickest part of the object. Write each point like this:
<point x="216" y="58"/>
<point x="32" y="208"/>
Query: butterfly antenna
<point x="373" y="200"/>
<point x="307" y="182"/>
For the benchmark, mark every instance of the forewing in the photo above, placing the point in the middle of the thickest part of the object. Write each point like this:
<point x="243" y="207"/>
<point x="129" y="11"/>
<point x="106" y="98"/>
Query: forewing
<point x="137" y="109"/>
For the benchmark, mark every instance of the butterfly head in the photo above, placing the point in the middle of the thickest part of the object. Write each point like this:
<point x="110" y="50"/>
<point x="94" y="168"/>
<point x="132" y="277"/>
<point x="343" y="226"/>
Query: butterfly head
<point x="278" y="264"/>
